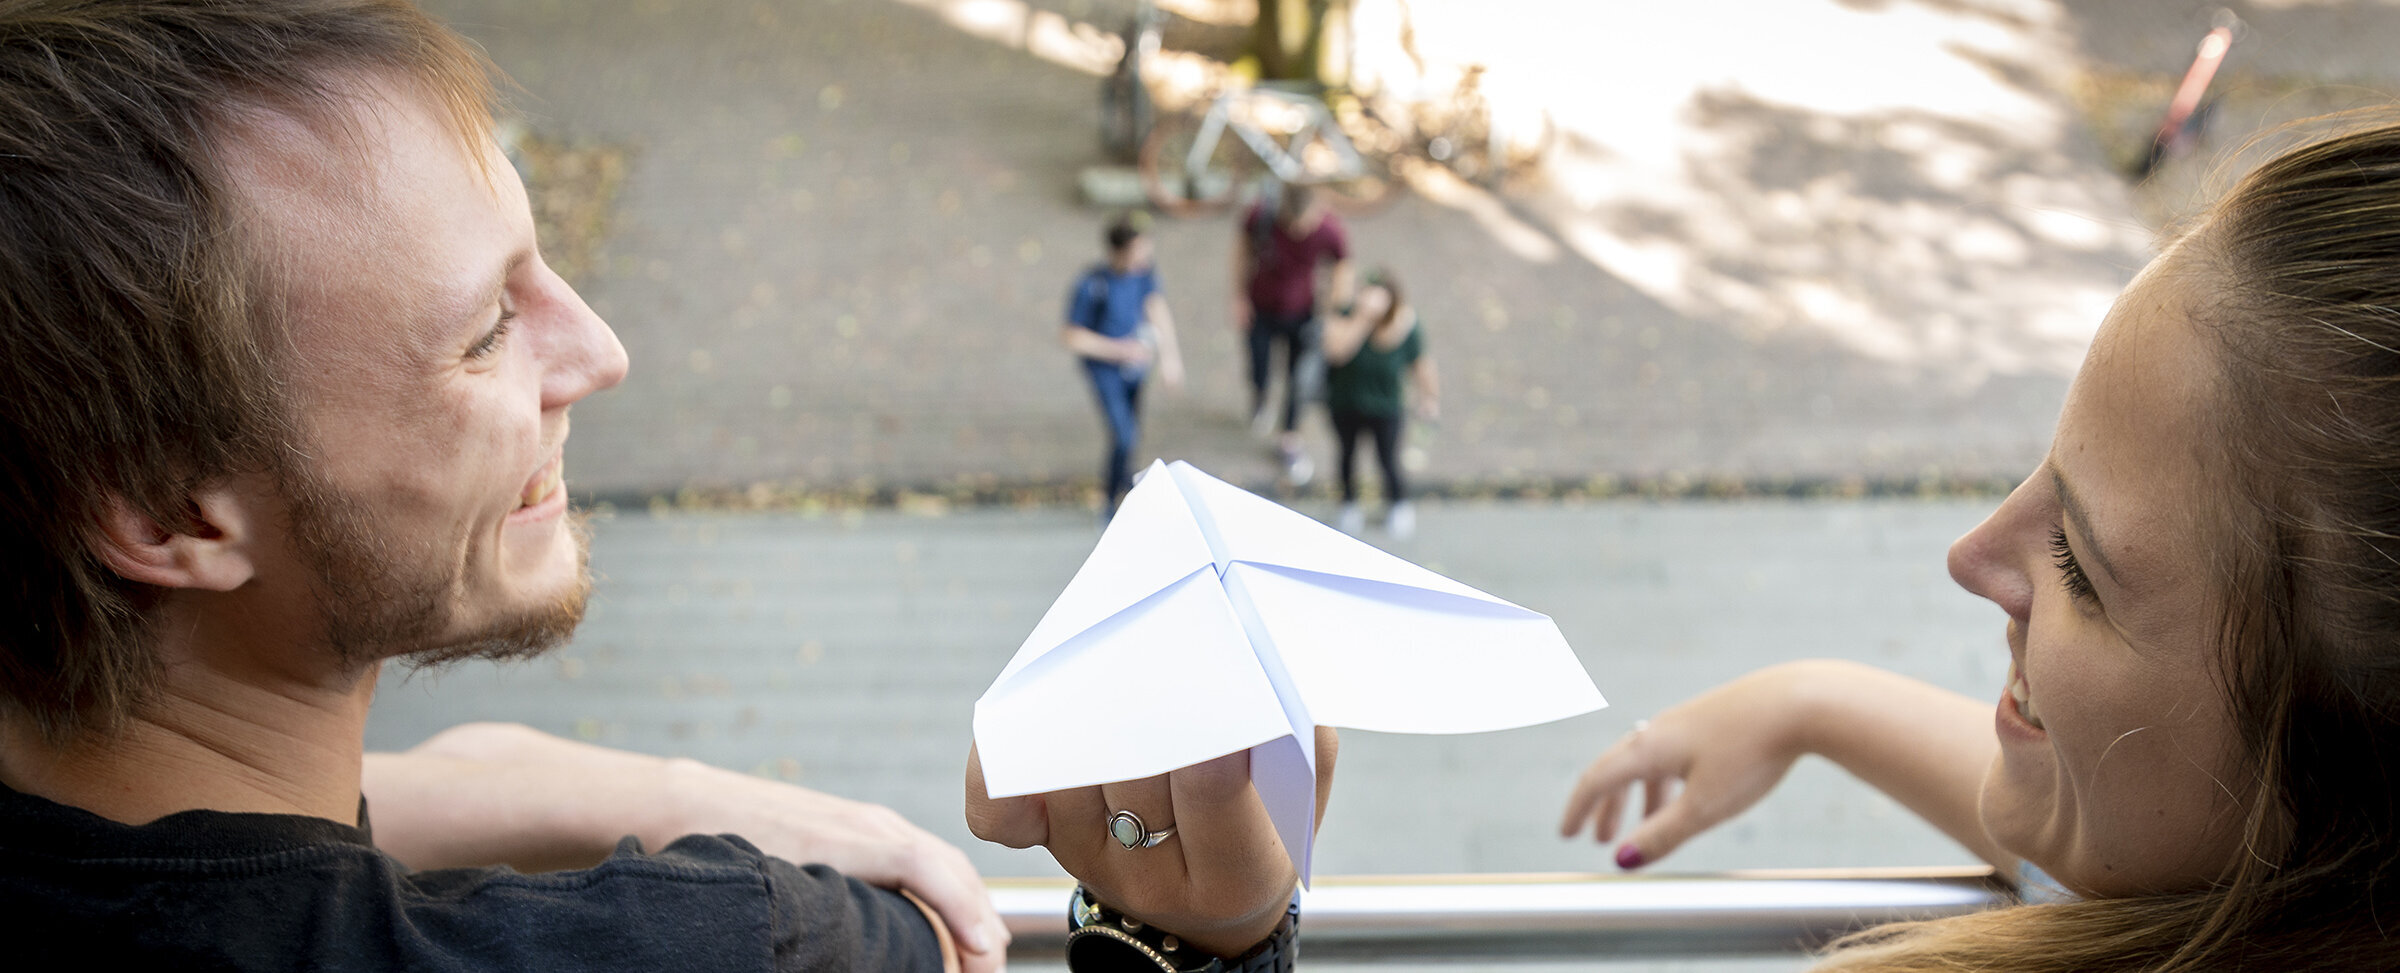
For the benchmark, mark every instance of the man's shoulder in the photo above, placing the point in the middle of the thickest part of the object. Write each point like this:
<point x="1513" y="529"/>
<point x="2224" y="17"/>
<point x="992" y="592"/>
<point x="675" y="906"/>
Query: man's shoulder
<point x="1093" y="281"/>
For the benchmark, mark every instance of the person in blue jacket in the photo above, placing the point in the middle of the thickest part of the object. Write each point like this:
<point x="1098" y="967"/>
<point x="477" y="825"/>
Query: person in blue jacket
<point x="1119" y="329"/>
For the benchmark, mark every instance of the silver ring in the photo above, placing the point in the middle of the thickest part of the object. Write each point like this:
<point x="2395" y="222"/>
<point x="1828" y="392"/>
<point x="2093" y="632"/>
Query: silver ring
<point x="1638" y="727"/>
<point x="1127" y="828"/>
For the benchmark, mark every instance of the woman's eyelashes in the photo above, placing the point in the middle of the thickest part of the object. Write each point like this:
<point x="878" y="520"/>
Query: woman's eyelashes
<point x="2070" y="571"/>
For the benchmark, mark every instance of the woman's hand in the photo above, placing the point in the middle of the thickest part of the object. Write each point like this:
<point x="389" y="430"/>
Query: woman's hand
<point x="1922" y="745"/>
<point x="1726" y="748"/>
<point x="1221" y="883"/>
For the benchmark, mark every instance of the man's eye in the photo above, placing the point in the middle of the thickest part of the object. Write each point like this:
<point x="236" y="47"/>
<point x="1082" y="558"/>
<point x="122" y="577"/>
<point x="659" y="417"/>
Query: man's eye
<point x="491" y="340"/>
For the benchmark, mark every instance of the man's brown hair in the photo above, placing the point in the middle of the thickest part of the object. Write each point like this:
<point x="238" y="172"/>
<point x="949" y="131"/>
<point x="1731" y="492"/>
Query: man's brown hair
<point x="137" y="343"/>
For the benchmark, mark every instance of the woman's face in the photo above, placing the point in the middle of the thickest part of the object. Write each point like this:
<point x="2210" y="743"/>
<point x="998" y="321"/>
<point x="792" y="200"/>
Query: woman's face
<point x="2116" y="767"/>
<point x="1372" y="301"/>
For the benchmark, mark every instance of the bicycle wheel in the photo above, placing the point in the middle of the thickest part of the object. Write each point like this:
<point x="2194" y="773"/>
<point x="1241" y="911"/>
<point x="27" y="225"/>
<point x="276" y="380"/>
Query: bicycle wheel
<point x="1182" y="182"/>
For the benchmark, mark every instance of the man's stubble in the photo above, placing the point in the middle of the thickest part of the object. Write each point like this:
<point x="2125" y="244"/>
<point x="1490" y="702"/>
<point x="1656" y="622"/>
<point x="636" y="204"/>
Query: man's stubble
<point x="378" y="603"/>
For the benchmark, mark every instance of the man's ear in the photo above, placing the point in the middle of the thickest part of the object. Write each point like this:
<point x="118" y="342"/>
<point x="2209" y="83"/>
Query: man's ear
<point x="209" y="551"/>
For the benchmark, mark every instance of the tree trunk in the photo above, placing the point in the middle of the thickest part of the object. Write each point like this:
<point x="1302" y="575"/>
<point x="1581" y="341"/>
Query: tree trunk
<point x="1289" y="39"/>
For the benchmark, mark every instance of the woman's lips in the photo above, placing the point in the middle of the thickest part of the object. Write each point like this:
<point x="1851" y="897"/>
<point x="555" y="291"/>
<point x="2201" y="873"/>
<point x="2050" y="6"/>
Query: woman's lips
<point x="2020" y="699"/>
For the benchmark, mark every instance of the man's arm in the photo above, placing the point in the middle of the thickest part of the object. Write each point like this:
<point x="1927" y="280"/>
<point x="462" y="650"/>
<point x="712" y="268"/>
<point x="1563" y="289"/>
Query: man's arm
<point x="490" y="794"/>
<point x="1162" y="324"/>
<point x="1091" y="344"/>
<point x="1346" y="332"/>
<point x="1344" y="285"/>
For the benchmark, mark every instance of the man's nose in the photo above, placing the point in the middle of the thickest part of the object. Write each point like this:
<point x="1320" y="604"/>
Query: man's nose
<point x="581" y="353"/>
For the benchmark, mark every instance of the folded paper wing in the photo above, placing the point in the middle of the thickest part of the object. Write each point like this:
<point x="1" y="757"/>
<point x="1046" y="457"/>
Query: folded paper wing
<point x="1209" y="620"/>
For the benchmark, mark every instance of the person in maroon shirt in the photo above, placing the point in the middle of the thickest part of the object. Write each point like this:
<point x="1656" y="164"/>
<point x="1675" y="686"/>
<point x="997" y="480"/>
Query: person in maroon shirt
<point x="1284" y="240"/>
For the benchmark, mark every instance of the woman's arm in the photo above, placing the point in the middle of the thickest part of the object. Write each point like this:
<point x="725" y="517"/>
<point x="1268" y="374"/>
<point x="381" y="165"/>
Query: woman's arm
<point x="1925" y="746"/>
<point x="1428" y="381"/>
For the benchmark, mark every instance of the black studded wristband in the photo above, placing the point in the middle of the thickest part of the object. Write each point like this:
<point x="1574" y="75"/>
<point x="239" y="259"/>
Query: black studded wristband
<point x="1103" y="940"/>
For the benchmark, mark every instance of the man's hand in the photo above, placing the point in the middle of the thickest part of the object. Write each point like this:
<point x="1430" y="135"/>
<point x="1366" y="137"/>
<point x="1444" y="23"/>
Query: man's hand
<point x="1130" y="351"/>
<point x="867" y="841"/>
<point x="1241" y="314"/>
<point x="484" y="794"/>
<point x="1223" y="881"/>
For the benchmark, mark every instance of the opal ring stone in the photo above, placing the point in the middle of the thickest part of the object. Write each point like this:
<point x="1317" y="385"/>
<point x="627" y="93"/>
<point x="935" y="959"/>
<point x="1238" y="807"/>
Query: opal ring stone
<point x="1127" y="828"/>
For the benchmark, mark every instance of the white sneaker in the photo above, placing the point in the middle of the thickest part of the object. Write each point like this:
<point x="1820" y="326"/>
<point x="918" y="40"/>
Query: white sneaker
<point x="1402" y="520"/>
<point x="1298" y="469"/>
<point x="1350" y="520"/>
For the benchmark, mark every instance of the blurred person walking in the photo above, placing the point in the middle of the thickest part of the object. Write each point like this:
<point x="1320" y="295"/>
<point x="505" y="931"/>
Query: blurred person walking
<point x="1373" y="349"/>
<point x="1118" y="327"/>
<point x="1285" y="238"/>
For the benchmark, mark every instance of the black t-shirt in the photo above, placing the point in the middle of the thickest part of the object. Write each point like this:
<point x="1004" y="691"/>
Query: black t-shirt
<point x="208" y="890"/>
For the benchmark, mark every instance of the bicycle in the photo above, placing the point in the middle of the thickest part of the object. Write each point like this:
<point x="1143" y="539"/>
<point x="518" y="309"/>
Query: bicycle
<point x="1464" y="134"/>
<point x="1188" y="166"/>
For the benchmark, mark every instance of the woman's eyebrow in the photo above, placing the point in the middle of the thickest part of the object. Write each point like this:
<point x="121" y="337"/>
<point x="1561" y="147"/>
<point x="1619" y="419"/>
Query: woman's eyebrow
<point x="2091" y="538"/>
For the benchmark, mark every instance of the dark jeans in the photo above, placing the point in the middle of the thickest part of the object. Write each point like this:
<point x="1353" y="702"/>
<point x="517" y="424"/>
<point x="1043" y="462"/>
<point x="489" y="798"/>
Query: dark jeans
<point x="1298" y="335"/>
<point x="1121" y="408"/>
<point x="1386" y="430"/>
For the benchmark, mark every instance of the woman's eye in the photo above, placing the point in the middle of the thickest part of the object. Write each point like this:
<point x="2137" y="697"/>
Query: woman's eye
<point x="2070" y="571"/>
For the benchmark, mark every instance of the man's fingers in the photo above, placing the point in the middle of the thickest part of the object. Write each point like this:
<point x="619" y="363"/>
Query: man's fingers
<point x="1018" y="822"/>
<point x="946" y="880"/>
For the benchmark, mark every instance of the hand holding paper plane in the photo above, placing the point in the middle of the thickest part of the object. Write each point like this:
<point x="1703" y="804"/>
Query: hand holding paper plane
<point x="1209" y="620"/>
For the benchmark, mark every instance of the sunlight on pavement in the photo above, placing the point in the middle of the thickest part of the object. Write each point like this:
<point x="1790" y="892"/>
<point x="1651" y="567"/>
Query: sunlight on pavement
<point x="1907" y="180"/>
<point x="1041" y="33"/>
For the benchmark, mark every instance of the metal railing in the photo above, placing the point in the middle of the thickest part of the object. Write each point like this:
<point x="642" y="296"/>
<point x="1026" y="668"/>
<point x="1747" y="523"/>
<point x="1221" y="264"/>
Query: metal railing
<point x="1467" y="916"/>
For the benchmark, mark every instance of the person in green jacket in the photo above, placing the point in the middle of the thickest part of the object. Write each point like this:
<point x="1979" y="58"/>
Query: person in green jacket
<point x="1374" y="349"/>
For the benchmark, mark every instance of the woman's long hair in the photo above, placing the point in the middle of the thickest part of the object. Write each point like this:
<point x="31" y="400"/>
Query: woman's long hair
<point x="2300" y="268"/>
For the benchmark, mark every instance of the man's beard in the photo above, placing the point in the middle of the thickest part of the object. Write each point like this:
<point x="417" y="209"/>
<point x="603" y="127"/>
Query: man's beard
<point x="378" y="603"/>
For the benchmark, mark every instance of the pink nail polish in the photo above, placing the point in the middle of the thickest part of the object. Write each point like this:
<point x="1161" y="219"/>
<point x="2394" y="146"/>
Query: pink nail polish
<point x="1629" y="857"/>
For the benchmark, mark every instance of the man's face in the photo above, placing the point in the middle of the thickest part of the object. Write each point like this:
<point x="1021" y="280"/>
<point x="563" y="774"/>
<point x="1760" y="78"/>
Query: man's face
<point x="1135" y="255"/>
<point x="432" y="359"/>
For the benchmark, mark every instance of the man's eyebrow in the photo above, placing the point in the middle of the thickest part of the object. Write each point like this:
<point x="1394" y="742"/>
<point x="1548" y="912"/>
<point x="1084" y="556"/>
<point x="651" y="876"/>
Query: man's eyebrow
<point x="486" y="292"/>
<point x="2091" y="538"/>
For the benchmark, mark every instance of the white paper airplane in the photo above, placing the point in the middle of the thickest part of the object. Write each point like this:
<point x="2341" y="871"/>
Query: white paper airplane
<point x="1209" y="620"/>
